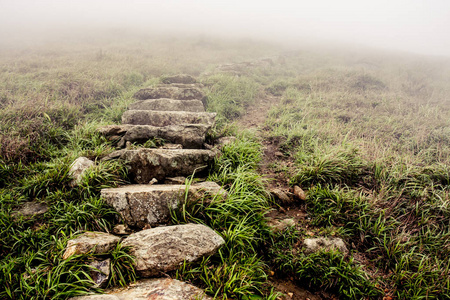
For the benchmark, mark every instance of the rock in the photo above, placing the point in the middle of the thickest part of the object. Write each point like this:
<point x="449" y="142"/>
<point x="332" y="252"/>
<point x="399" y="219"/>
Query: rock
<point x="100" y="272"/>
<point x="281" y="196"/>
<point x="171" y="146"/>
<point x="225" y="141"/>
<point x="98" y="242"/>
<point x="279" y="154"/>
<point x="146" y="164"/>
<point x="114" y="155"/>
<point x="175" y="180"/>
<point x="121" y="229"/>
<point x="190" y="136"/>
<point x="164" y="104"/>
<point x="317" y="244"/>
<point x="77" y="168"/>
<point x="142" y="205"/>
<point x="299" y="193"/>
<point x="280" y="225"/>
<point x="165" y="118"/>
<point x="171" y="92"/>
<point x="114" y="130"/>
<point x="180" y="78"/>
<point x="153" y="289"/>
<point x="31" y="209"/>
<point x="163" y="249"/>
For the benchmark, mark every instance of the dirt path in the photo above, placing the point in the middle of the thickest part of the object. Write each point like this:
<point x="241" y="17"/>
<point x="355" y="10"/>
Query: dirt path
<point x="272" y="167"/>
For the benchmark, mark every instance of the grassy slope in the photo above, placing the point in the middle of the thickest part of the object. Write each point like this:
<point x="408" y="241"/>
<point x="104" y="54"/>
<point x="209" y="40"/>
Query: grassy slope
<point x="369" y="135"/>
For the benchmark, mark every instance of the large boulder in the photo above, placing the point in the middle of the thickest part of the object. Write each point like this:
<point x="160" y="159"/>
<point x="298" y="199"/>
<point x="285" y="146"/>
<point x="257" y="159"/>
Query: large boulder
<point x="77" y="168"/>
<point x="164" y="104"/>
<point x="145" y="164"/>
<point x="179" y="92"/>
<point x="179" y="78"/>
<point x="143" y="205"/>
<point x="165" y="118"/>
<point x="153" y="289"/>
<point x="97" y="242"/>
<point x="163" y="249"/>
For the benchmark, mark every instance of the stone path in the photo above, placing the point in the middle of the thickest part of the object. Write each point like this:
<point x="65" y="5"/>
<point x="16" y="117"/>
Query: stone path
<point x="175" y="113"/>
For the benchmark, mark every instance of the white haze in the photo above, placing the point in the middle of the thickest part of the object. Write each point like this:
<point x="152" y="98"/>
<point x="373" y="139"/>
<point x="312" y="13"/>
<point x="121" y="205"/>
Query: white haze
<point x="419" y="26"/>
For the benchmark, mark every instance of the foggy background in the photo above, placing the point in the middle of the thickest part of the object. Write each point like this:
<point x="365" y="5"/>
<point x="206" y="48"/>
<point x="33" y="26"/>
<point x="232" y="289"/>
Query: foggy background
<point x="416" y="26"/>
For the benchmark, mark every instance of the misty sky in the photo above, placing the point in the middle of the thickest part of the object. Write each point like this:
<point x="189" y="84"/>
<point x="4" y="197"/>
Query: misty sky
<point x="421" y="26"/>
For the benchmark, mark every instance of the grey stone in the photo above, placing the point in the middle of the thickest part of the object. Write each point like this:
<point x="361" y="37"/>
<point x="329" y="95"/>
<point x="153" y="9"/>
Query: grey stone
<point x="164" y="104"/>
<point x="97" y="242"/>
<point x="171" y="146"/>
<point x="149" y="205"/>
<point x="190" y="136"/>
<point x="121" y="229"/>
<point x="179" y="78"/>
<point x="146" y="164"/>
<point x="280" y="225"/>
<point x="299" y="193"/>
<point x="100" y="272"/>
<point x="281" y="196"/>
<point x="164" y="249"/>
<point x="153" y="289"/>
<point x="77" y="168"/>
<point x="171" y="92"/>
<point x="165" y="118"/>
<point x="324" y="244"/>
<point x="31" y="209"/>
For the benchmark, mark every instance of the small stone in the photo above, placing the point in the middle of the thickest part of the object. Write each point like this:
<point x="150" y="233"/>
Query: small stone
<point x="121" y="229"/>
<point x="77" y="168"/>
<point x="153" y="181"/>
<point x="279" y="154"/>
<point x="280" y="225"/>
<point x="281" y="195"/>
<point x="324" y="244"/>
<point x="100" y="272"/>
<point x="299" y="193"/>
<point x="31" y="209"/>
<point x="179" y="78"/>
<point x="98" y="242"/>
<point x="290" y="295"/>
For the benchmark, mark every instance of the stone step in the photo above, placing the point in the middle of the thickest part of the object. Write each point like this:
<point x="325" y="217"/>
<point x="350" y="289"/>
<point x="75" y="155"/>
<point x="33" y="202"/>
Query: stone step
<point x="163" y="249"/>
<point x="145" y="164"/>
<point x="178" y="92"/>
<point x="143" y="205"/>
<point x="190" y="136"/>
<point x="154" y="289"/>
<point x="165" y="104"/>
<point x="166" y="118"/>
<point x="179" y="78"/>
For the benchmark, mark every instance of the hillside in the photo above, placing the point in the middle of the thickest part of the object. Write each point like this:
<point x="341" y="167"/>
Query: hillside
<point x="348" y="145"/>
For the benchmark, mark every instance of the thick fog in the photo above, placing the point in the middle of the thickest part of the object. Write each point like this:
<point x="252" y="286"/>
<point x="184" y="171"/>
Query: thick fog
<point x="419" y="26"/>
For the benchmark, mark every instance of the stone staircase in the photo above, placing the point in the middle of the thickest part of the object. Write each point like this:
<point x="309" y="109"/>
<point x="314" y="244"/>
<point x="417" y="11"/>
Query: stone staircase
<point x="175" y="113"/>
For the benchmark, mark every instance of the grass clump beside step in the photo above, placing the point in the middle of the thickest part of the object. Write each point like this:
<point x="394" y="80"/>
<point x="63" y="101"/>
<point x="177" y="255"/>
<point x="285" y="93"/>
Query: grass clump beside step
<point x="236" y="271"/>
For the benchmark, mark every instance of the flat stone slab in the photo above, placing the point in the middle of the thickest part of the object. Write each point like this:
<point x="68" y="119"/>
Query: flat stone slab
<point x="98" y="242"/>
<point x="179" y="78"/>
<point x="145" y="164"/>
<point x="163" y="249"/>
<point x="164" y="104"/>
<point x="165" y="118"/>
<point x="190" y="136"/>
<point x="142" y="205"/>
<point x="153" y="289"/>
<point x="178" y="92"/>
